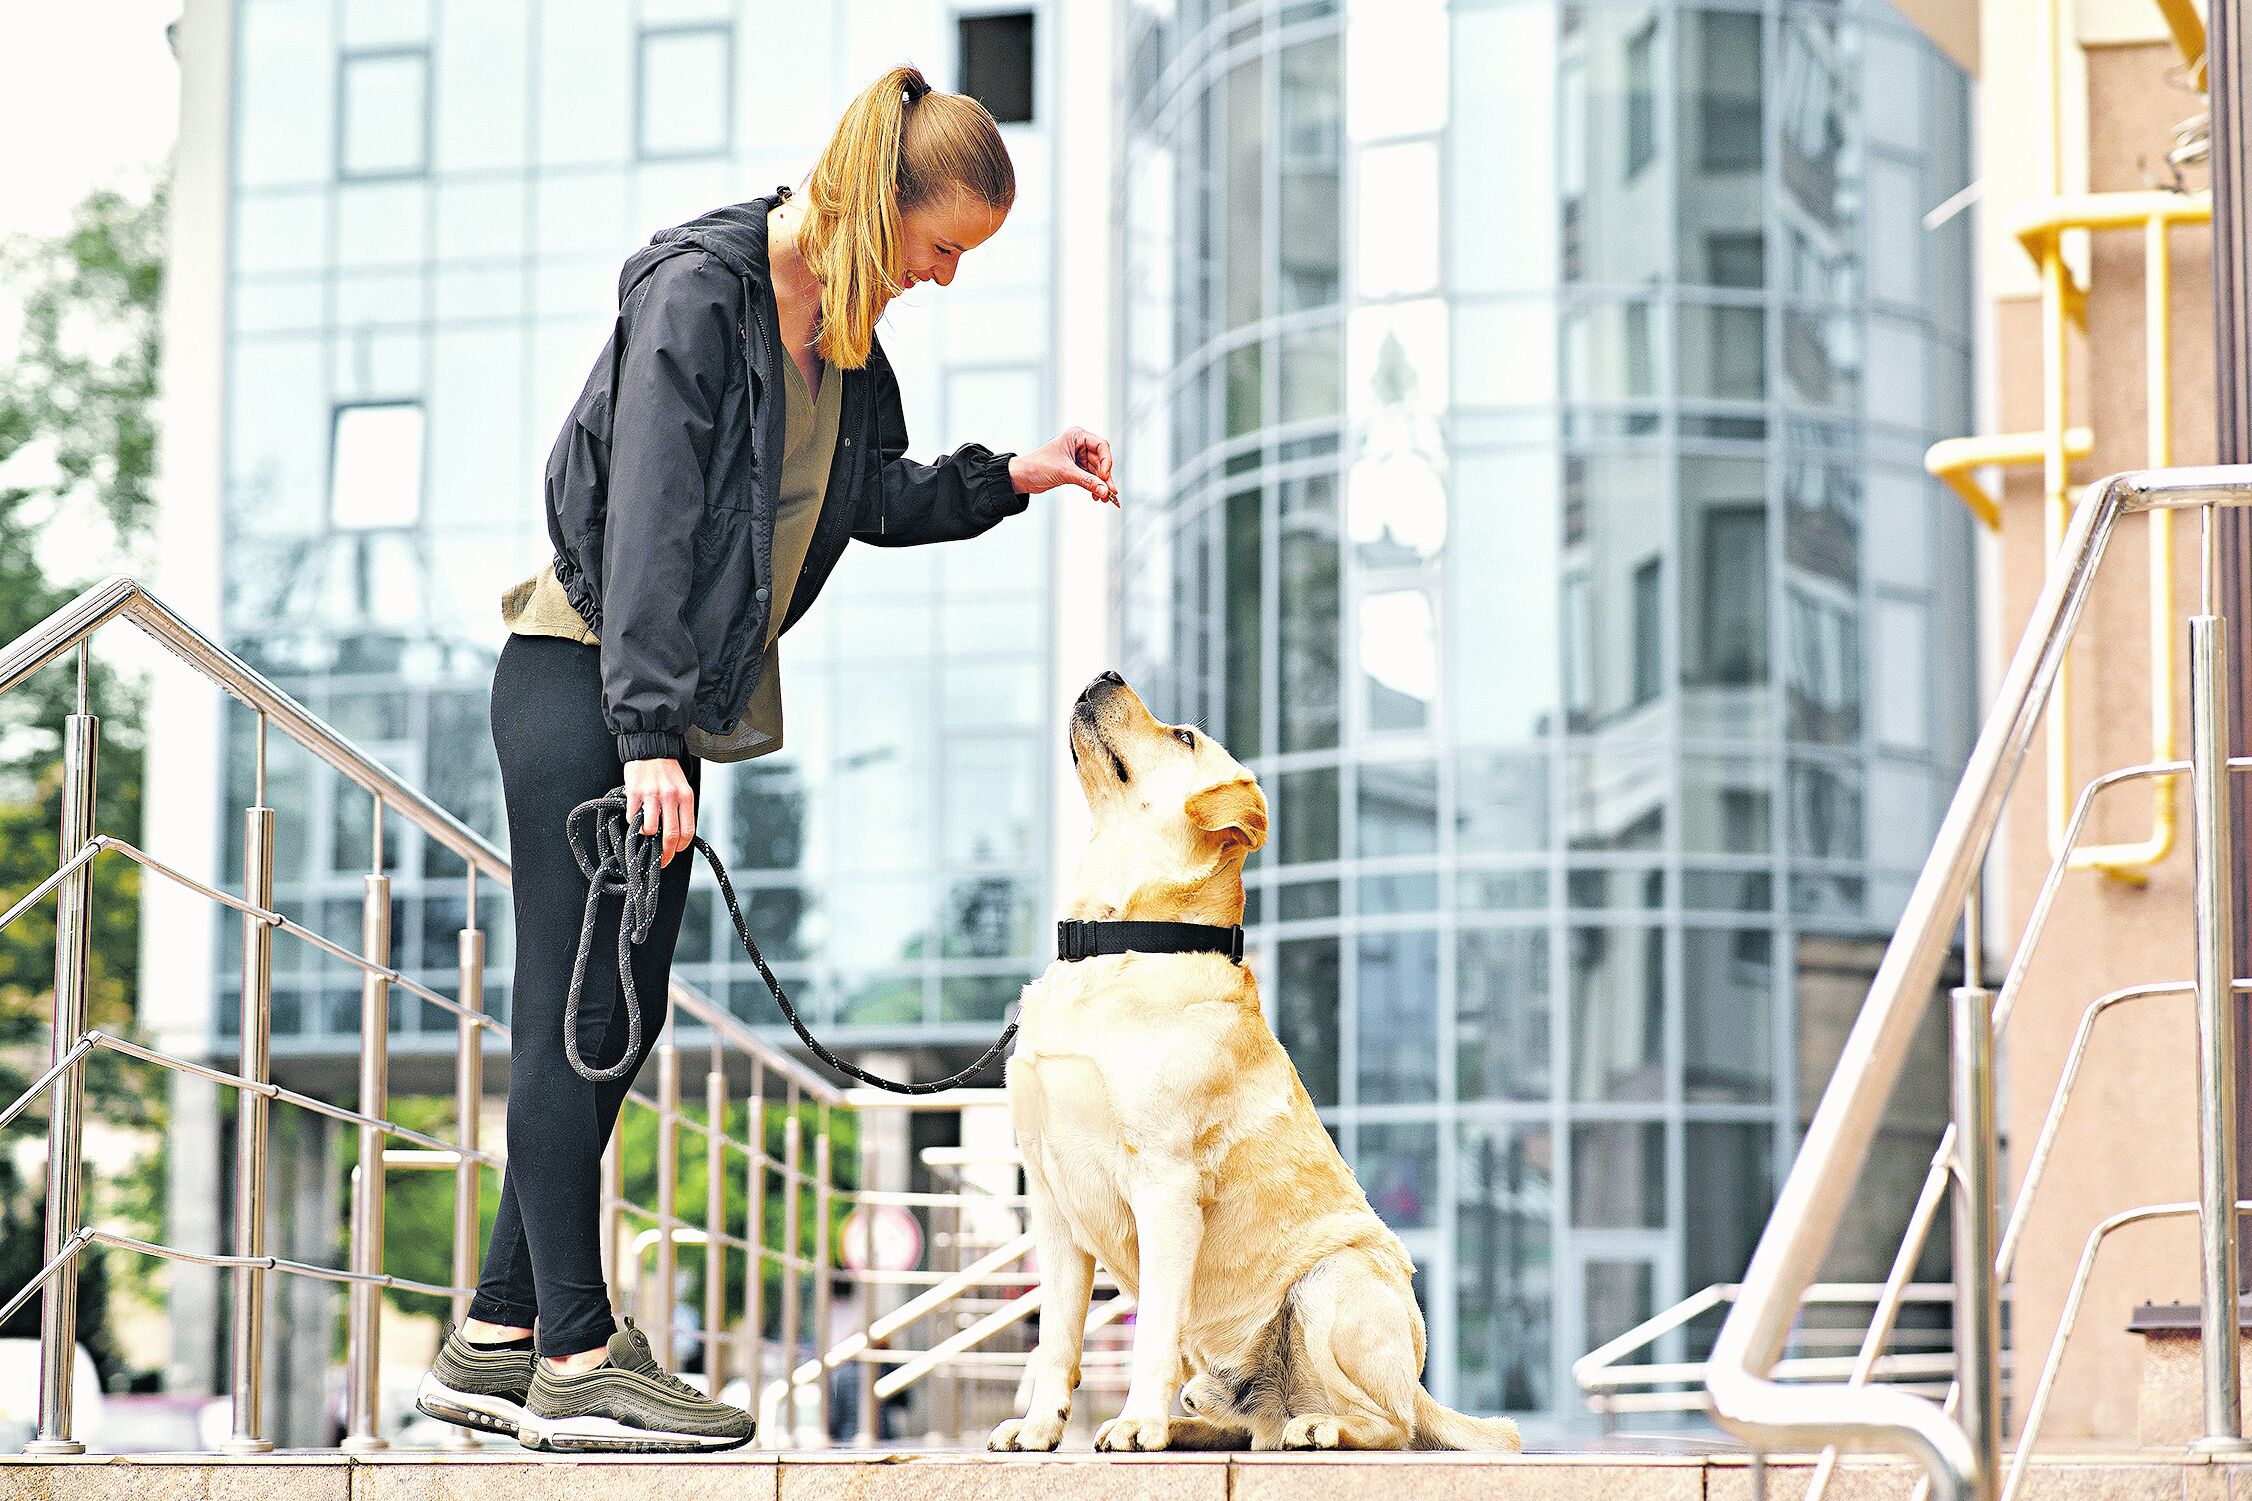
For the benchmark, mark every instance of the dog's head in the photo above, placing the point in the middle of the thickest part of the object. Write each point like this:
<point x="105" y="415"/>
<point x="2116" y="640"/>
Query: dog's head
<point x="1171" y="807"/>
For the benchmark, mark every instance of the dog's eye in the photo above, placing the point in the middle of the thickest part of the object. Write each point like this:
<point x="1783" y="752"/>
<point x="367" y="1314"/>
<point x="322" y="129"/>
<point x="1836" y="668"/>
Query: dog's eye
<point x="1187" y="737"/>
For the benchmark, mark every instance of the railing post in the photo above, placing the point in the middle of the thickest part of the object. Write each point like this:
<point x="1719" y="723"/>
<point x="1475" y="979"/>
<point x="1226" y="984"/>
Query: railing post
<point x="66" y="1118"/>
<point x="1977" y="1307"/>
<point x="469" y="1100"/>
<point x="250" y="1129"/>
<point x="793" y="1160"/>
<point x="668" y="1193"/>
<point x="823" y="1267"/>
<point x="362" y="1366"/>
<point x="715" y="1214"/>
<point x="754" y="1282"/>
<point x="2213" y="863"/>
<point x="864" y="1371"/>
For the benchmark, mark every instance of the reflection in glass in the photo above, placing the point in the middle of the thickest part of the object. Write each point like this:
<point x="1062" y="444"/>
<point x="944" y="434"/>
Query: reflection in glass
<point x="1729" y="1182"/>
<point x="1826" y="810"/>
<point x="1615" y="797"/>
<point x="1246" y="191"/>
<point x="1619" y="1175"/>
<point x="1245" y="565"/>
<point x="1397" y="1039"/>
<point x="1306" y="816"/>
<point x="1307" y="1005"/>
<point x="1505" y="1281"/>
<point x="1312" y="108"/>
<point x="1397" y="809"/>
<point x="1307" y="593"/>
<point x="1399" y="657"/>
<point x="1617" y="1047"/>
<point x="1617" y="1295"/>
<point x="1397" y="1163"/>
<point x="1502" y="1026"/>
<point x="1727" y="994"/>
<point x="1612" y="568"/>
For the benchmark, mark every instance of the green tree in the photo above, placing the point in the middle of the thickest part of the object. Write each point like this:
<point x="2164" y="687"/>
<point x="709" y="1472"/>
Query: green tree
<point x="77" y="461"/>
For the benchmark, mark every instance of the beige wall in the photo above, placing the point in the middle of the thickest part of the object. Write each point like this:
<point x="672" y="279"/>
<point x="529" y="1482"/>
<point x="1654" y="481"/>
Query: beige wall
<point x="2128" y="1137"/>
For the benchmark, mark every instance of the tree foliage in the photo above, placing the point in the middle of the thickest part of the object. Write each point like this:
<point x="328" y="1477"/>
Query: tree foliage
<point x="77" y="471"/>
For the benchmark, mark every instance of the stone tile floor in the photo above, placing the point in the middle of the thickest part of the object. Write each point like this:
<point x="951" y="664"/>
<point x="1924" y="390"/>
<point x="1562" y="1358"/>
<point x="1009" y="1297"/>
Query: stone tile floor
<point x="909" y="1475"/>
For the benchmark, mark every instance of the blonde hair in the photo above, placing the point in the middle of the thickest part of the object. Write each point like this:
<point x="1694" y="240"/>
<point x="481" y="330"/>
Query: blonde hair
<point x="899" y="145"/>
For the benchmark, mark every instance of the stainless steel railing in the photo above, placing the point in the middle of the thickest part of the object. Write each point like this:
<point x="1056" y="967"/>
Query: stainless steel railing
<point x="808" y="1175"/>
<point x="1959" y="1443"/>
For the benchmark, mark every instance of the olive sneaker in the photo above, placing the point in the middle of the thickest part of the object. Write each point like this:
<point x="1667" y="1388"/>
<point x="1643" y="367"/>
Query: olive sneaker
<point x="628" y="1404"/>
<point x="476" y="1387"/>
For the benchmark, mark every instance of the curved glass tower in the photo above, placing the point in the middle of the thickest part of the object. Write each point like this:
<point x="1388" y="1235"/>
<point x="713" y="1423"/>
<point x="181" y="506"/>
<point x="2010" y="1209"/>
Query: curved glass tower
<point x="1524" y="407"/>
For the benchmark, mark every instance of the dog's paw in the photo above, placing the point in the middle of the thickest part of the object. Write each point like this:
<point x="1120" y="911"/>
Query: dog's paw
<point x="1124" y="1435"/>
<point x="1312" y="1431"/>
<point x="1026" y="1436"/>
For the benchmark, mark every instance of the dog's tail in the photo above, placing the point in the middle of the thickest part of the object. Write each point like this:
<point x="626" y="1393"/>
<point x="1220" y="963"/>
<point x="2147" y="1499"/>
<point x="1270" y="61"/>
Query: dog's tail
<point x="1439" y="1427"/>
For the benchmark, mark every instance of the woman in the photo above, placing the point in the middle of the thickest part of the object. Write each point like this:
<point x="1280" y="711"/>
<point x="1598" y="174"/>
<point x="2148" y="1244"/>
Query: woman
<point x="739" y="428"/>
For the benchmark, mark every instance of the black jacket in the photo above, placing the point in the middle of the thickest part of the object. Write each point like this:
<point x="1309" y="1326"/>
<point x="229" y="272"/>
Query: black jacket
<point x="663" y="485"/>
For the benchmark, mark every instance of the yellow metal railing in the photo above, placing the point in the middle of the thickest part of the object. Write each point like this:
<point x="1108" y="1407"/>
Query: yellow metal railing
<point x="2041" y="227"/>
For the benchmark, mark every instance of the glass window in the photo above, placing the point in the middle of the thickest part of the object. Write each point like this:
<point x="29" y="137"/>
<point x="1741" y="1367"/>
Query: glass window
<point x="1823" y="673"/>
<point x="1502" y="1027"/>
<point x="1723" y="354"/>
<point x="1397" y="809"/>
<point x="1307" y="816"/>
<point x="1726" y="805"/>
<point x="1246" y="192"/>
<point x="1900" y="669"/>
<point x="1826" y="810"/>
<point x="1615" y="1295"/>
<point x="1399" y="660"/>
<point x="1619" y="1175"/>
<point x="1505" y="1285"/>
<point x="1398" y="1164"/>
<point x="1501" y="803"/>
<point x="986" y="917"/>
<point x="1397" y="241"/>
<point x="1307" y="1005"/>
<point x="1641" y="98"/>
<point x="1615" y="796"/>
<point x="770" y="807"/>
<point x="1722" y="66"/>
<point x="375" y="466"/>
<point x="1617" y="1048"/>
<point x="383" y="114"/>
<point x="1611" y="557"/>
<point x="1397" y="1036"/>
<point x="685" y="83"/>
<point x="1309" y="153"/>
<point x="1727" y="990"/>
<point x="1501" y="598"/>
<point x="993" y="787"/>
<point x="1313" y="374"/>
<point x="997" y="58"/>
<point x="1245" y="570"/>
<point x="1308" y="687"/>
<point x="1502" y="206"/>
<point x="1724" y="572"/>
<point x="1729" y="1178"/>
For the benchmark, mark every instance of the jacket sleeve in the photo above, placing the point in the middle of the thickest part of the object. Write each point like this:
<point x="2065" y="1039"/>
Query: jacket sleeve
<point x="906" y="503"/>
<point x="680" y="346"/>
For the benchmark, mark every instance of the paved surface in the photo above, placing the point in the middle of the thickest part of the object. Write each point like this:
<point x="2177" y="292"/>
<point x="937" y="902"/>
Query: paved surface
<point x="846" y="1475"/>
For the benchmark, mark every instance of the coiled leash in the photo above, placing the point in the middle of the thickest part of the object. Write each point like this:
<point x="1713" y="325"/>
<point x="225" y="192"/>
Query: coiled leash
<point x="626" y="864"/>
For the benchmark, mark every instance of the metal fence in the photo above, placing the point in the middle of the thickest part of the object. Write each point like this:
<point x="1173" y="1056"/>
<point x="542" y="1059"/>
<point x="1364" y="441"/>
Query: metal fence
<point x="943" y="1328"/>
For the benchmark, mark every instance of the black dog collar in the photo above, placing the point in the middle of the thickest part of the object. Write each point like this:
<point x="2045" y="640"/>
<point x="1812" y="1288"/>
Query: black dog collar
<point x="1084" y="938"/>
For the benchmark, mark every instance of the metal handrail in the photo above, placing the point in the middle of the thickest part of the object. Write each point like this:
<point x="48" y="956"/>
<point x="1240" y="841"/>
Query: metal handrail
<point x="1745" y="1399"/>
<point x="122" y="597"/>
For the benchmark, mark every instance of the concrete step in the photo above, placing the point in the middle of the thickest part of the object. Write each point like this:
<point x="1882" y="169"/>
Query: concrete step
<point x="846" y="1475"/>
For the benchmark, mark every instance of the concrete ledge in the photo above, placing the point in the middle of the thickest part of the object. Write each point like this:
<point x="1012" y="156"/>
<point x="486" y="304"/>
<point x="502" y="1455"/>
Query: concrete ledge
<point x="908" y="1475"/>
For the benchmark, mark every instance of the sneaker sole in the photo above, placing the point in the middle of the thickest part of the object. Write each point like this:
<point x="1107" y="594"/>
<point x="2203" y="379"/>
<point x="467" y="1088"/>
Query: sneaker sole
<point x="487" y="1414"/>
<point x="590" y="1435"/>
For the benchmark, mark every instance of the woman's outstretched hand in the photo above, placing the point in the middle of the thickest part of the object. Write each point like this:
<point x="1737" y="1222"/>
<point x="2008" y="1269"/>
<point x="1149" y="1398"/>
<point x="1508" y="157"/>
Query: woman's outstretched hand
<point x="1074" y="456"/>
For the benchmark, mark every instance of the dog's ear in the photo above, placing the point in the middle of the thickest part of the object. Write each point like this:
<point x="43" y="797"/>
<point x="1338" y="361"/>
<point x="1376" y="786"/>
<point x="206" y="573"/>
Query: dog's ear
<point x="1235" y="810"/>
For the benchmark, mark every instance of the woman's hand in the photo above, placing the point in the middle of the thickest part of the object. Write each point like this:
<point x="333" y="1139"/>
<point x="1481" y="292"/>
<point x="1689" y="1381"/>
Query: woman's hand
<point x="658" y="795"/>
<point x="1073" y="457"/>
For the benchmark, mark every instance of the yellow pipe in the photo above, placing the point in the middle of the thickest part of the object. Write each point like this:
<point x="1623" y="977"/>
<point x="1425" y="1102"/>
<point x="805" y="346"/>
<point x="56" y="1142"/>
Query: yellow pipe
<point x="2188" y="28"/>
<point x="1954" y="462"/>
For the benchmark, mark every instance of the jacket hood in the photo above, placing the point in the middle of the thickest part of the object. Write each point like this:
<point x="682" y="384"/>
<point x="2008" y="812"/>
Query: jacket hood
<point x="735" y="235"/>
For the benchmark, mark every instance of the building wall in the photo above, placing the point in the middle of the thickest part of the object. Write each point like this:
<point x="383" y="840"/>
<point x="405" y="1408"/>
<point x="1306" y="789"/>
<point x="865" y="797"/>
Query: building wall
<point x="2128" y="1138"/>
<point x="1536" y="397"/>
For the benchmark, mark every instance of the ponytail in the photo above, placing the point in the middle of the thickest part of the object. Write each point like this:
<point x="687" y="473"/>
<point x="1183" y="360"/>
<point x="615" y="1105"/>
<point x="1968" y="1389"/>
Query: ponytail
<point x="899" y="144"/>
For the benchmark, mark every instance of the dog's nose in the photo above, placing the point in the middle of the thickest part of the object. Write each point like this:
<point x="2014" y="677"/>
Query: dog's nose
<point x="1102" y="680"/>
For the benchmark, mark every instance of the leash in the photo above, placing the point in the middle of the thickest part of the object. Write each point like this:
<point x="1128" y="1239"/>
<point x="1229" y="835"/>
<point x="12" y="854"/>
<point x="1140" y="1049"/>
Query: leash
<point x="626" y="865"/>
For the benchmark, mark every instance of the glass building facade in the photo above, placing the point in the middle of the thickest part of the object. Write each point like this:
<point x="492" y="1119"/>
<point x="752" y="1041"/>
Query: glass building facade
<point x="428" y="205"/>
<point x="1523" y="410"/>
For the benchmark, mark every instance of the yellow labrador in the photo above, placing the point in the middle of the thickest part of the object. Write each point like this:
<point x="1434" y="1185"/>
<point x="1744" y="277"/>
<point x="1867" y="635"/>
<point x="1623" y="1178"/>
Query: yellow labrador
<point x="1166" y="1135"/>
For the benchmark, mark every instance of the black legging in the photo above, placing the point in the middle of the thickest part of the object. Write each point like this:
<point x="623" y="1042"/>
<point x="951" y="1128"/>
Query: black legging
<point x="544" y="1262"/>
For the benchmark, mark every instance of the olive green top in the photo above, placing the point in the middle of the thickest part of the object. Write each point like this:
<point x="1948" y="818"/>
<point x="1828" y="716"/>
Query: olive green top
<point x="539" y="607"/>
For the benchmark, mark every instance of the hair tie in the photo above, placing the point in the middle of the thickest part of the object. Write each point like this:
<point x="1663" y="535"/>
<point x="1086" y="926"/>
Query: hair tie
<point x="915" y="88"/>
